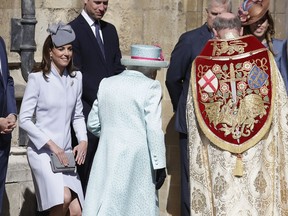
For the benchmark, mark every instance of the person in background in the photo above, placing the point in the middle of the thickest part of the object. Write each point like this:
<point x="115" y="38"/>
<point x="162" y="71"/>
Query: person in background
<point x="237" y="126"/>
<point x="97" y="55"/>
<point x="8" y="116"/>
<point x="129" y="164"/>
<point x="257" y="20"/>
<point x="188" y="47"/>
<point x="51" y="102"/>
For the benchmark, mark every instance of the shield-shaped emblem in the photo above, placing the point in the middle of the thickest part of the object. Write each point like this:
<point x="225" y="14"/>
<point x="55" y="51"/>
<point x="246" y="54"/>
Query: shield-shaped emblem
<point x="209" y="82"/>
<point x="233" y="93"/>
<point x="256" y="77"/>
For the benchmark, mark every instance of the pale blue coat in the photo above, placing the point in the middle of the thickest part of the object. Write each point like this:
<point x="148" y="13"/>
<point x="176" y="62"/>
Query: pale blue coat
<point x="280" y="50"/>
<point x="127" y="117"/>
<point x="57" y="104"/>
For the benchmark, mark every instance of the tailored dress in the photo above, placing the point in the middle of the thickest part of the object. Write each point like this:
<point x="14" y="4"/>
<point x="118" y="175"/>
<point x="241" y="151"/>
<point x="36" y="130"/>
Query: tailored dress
<point x="127" y="117"/>
<point x="238" y="151"/>
<point x="57" y="104"/>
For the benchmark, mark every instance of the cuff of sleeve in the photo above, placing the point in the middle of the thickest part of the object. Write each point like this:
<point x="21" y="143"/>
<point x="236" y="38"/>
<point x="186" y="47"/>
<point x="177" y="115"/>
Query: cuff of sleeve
<point x="16" y="116"/>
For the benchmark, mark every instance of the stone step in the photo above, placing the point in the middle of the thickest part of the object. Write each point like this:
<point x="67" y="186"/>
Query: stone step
<point x="19" y="198"/>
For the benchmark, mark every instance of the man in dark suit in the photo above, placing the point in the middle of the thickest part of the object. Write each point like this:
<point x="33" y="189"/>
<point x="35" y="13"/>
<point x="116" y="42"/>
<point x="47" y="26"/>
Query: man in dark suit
<point x="7" y="115"/>
<point x="188" y="47"/>
<point x="92" y="35"/>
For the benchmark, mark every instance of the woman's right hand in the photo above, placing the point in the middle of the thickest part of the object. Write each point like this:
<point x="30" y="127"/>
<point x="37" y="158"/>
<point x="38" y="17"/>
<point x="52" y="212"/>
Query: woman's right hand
<point x="59" y="152"/>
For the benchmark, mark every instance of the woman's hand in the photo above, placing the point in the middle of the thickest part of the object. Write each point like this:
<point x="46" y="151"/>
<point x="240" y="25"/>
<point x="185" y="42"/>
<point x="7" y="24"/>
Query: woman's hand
<point x="59" y="152"/>
<point x="80" y="151"/>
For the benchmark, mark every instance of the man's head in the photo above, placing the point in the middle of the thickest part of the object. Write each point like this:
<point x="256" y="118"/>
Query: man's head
<point x="216" y="7"/>
<point x="96" y="8"/>
<point x="227" y="26"/>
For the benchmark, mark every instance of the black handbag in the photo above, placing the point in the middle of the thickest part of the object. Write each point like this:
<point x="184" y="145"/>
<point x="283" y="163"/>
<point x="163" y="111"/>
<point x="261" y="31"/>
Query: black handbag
<point x="58" y="167"/>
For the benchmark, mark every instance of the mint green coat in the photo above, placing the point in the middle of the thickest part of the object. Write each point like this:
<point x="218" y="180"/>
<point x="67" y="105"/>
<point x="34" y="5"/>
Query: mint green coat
<point x="127" y="118"/>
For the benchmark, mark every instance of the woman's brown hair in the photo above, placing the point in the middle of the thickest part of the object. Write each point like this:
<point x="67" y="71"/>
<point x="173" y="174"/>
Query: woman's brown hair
<point x="269" y="34"/>
<point x="45" y="65"/>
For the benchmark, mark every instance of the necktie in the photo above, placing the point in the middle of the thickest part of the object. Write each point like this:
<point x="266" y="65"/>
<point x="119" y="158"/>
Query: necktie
<point x="98" y="37"/>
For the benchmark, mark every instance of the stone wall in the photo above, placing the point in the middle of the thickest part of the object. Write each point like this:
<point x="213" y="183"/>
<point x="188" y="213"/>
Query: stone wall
<point x="137" y="21"/>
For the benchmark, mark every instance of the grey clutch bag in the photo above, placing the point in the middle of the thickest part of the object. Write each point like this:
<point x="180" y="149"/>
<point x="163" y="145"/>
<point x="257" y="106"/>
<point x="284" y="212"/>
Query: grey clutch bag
<point x="58" y="167"/>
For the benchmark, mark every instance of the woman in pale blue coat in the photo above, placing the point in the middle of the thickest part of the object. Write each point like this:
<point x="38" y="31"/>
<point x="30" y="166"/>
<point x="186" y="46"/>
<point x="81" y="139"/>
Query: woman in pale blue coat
<point x="51" y="103"/>
<point x="129" y="164"/>
<point x="257" y="20"/>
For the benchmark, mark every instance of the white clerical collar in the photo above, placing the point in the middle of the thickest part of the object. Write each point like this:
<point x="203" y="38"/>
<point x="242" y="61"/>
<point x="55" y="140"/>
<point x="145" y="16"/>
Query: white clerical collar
<point x="230" y="35"/>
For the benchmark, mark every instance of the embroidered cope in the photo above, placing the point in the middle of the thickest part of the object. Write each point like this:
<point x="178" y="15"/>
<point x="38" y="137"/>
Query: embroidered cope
<point x="237" y="117"/>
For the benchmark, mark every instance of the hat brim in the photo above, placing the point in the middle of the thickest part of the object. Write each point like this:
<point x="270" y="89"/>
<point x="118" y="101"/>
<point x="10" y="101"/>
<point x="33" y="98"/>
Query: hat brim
<point x="255" y="18"/>
<point x="127" y="61"/>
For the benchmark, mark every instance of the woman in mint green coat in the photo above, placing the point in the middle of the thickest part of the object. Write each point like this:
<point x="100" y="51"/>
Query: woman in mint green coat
<point x="130" y="159"/>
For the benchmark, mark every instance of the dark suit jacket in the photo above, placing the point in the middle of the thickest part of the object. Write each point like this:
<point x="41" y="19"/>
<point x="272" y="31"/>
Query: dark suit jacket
<point x="90" y="61"/>
<point x="7" y="96"/>
<point x="7" y="106"/>
<point x="188" y="47"/>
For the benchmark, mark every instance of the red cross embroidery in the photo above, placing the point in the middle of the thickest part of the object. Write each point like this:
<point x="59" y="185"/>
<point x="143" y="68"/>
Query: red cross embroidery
<point x="208" y="82"/>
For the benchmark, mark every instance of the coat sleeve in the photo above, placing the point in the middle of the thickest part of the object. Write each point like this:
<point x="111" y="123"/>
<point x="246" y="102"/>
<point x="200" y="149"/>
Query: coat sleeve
<point x="93" y="122"/>
<point x="11" y="102"/>
<point x="175" y="73"/>
<point x="26" y="115"/>
<point x="155" y="135"/>
<point x="78" y="120"/>
<point x="179" y="63"/>
<point x="284" y="64"/>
